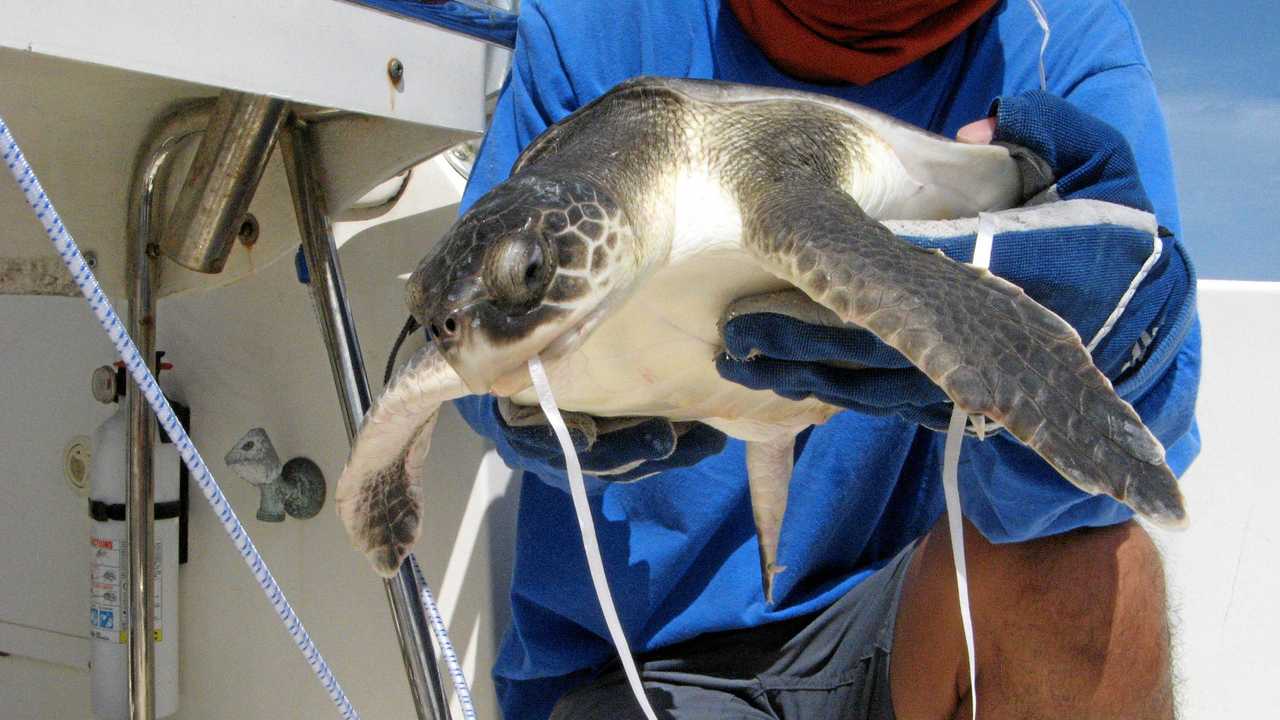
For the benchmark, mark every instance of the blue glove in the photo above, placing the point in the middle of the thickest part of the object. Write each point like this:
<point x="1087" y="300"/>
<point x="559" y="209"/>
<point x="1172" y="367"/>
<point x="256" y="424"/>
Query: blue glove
<point x="609" y="449"/>
<point x="1099" y="266"/>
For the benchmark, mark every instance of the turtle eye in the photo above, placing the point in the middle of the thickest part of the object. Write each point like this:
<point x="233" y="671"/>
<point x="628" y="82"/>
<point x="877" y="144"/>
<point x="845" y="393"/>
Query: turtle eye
<point x="518" y="272"/>
<point x="533" y="264"/>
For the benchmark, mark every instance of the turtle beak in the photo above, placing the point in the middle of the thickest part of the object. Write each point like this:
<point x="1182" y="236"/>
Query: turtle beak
<point x="489" y="348"/>
<point x="455" y="335"/>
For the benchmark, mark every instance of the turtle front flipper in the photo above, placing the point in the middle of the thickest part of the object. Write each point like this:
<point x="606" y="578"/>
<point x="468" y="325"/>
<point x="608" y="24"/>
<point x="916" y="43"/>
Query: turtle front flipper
<point x="989" y="346"/>
<point x="769" y="465"/>
<point x="377" y="496"/>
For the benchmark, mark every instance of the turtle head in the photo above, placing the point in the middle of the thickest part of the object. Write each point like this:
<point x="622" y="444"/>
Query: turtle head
<point x="530" y="269"/>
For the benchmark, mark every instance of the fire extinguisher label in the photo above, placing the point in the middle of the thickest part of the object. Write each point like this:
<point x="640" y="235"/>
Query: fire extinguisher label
<point x="109" y="578"/>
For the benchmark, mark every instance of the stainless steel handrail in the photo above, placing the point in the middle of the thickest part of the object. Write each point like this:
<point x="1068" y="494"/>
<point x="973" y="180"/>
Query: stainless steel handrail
<point x="328" y="291"/>
<point x="145" y="227"/>
<point x="233" y="153"/>
<point x="150" y="175"/>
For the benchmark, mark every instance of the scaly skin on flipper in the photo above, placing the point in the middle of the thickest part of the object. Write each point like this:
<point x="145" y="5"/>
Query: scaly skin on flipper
<point x="989" y="346"/>
<point x="769" y="465"/>
<point x="377" y="495"/>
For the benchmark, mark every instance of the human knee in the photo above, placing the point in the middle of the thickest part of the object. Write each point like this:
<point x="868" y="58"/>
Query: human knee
<point x="1095" y="582"/>
<point x="1095" y="563"/>
<point x="1073" y="618"/>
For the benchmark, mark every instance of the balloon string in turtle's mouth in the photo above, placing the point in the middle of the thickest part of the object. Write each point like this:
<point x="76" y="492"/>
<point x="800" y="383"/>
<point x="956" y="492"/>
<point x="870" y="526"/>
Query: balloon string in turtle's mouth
<point x="587" y="526"/>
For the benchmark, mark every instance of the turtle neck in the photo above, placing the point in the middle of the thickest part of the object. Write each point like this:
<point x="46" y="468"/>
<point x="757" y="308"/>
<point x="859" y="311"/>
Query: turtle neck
<point x="852" y="41"/>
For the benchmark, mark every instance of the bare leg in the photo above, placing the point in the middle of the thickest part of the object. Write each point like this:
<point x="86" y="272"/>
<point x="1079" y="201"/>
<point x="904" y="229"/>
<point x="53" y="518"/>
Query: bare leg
<point x="1073" y="626"/>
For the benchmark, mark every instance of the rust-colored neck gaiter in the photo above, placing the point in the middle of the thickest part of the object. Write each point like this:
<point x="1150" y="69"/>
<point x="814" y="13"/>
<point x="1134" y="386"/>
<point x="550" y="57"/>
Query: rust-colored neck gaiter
<point x="857" y="41"/>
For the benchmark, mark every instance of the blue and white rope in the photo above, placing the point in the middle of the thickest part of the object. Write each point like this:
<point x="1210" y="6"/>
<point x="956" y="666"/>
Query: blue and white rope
<point x="461" y="689"/>
<point x="84" y="279"/>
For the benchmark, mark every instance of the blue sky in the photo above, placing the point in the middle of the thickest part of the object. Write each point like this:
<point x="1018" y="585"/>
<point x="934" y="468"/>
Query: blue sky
<point x="1217" y="69"/>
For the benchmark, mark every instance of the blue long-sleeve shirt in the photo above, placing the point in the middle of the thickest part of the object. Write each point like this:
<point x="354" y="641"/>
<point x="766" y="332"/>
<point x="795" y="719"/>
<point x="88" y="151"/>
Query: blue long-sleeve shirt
<point x="680" y="548"/>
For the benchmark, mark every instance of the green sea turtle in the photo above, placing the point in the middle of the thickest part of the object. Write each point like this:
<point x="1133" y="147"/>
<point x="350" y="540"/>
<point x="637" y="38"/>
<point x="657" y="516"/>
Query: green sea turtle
<point x="626" y="231"/>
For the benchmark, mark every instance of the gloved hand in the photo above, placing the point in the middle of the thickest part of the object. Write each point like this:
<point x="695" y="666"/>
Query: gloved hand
<point x="1079" y="257"/>
<point x="610" y="449"/>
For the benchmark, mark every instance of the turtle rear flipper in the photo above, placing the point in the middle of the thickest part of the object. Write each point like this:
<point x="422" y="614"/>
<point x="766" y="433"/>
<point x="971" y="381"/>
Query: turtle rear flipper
<point x="769" y="465"/>
<point x="989" y="346"/>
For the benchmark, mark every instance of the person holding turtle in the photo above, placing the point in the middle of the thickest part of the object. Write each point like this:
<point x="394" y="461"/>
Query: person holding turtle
<point x="1067" y="590"/>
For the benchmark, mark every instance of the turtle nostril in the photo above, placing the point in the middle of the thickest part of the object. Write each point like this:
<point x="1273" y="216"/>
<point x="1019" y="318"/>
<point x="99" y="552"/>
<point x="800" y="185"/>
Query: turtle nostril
<point x="445" y="330"/>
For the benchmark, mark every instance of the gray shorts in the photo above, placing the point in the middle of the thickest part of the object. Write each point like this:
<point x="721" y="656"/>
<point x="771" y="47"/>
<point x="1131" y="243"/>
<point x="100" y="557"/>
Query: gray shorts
<point x="830" y="666"/>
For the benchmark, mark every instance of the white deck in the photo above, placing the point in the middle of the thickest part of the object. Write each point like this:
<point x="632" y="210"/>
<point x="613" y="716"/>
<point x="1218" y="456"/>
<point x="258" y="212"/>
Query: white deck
<point x="246" y="355"/>
<point x="79" y="86"/>
<point x="1223" y="572"/>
